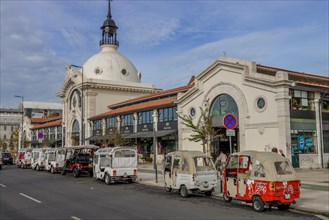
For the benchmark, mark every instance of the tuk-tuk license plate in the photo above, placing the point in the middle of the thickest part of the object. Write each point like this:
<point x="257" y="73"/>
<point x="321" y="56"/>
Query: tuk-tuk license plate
<point x="287" y="196"/>
<point x="206" y="185"/>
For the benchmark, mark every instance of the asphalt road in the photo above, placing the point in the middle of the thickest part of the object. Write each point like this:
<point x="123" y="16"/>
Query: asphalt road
<point x="28" y="194"/>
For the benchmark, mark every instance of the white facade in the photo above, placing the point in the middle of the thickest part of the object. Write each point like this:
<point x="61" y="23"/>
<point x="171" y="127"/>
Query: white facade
<point x="259" y="129"/>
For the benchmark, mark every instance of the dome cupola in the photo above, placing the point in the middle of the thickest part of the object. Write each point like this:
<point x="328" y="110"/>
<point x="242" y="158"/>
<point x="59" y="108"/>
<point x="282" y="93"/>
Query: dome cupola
<point x="109" y="29"/>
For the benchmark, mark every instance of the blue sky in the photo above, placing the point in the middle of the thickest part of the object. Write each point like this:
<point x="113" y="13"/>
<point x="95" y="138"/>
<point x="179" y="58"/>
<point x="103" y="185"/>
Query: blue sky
<point x="168" y="41"/>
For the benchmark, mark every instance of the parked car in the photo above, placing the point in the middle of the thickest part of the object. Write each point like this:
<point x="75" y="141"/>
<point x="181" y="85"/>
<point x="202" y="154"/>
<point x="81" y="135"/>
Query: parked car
<point x="78" y="160"/>
<point x="6" y="158"/>
<point x="0" y="162"/>
<point x="190" y="172"/>
<point x="54" y="160"/>
<point x="38" y="158"/>
<point x="24" y="158"/>
<point x="264" y="179"/>
<point x="115" y="164"/>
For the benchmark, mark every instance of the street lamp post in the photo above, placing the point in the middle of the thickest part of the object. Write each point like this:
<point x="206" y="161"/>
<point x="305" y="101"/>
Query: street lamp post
<point x="155" y="148"/>
<point x="82" y="107"/>
<point x="22" y="100"/>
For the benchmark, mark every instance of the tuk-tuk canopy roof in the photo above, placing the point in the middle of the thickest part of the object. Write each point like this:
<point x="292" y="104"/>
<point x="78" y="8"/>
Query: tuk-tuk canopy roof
<point x="111" y="149"/>
<point x="83" y="147"/>
<point x="262" y="155"/>
<point x="268" y="159"/>
<point x="187" y="153"/>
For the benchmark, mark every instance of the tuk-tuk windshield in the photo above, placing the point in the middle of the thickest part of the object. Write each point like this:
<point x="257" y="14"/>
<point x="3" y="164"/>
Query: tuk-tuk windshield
<point x="282" y="168"/>
<point x="203" y="164"/>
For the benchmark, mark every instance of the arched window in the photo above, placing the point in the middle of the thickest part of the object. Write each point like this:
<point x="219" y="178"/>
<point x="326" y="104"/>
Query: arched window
<point x="75" y="127"/>
<point x="222" y="105"/>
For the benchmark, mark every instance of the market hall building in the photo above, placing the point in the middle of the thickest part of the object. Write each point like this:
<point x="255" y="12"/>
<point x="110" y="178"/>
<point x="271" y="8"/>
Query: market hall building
<point x="105" y="78"/>
<point x="274" y="107"/>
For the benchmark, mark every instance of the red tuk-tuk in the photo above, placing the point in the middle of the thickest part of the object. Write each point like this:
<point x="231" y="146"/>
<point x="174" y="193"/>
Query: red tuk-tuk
<point x="264" y="178"/>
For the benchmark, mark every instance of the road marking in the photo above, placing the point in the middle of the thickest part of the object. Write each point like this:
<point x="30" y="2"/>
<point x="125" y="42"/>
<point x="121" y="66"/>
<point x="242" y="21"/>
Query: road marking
<point x="322" y="217"/>
<point x="2" y="185"/>
<point x="29" y="197"/>
<point x="75" y="218"/>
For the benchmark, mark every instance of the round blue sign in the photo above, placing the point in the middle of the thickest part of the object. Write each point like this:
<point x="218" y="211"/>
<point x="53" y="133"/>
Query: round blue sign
<point x="40" y="135"/>
<point x="229" y="121"/>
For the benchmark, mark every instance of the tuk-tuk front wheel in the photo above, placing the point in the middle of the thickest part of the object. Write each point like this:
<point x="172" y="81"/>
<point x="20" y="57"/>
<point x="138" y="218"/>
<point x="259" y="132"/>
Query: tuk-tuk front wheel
<point x="258" y="204"/>
<point x="76" y="173"/>
<point x="63" y="172"/>
<point x="183" y="191"/>
<point x="167" y="189"/>
<point x="208" y="193"/>
<point x="107" y="179"/>
<point x="226" y="198"/>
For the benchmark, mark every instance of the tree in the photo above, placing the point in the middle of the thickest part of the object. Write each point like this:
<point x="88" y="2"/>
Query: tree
<point x="203" y="130"/>
<point x="117" y="138"/>
<point x="13" y="143"/>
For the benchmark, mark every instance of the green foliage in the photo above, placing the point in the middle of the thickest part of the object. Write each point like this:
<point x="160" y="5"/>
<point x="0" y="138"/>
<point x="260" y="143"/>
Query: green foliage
<point x="117" y="139"/>
<point x="203" y="131"/>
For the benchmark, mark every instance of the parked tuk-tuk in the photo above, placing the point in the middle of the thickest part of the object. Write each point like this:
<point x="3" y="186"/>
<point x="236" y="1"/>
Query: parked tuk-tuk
<point x="115" y="164"/>
<point x="265" y="179"/>
<point x="79" y="160"/>
<point x="24" y="158"/>
<point x="54" y="159"/>
<point x="189" y="172"/>
<point x="38" y="158"/>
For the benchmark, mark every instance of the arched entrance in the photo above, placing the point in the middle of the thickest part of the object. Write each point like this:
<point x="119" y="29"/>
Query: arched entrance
<point x="75" y="133"/>
<point x="224" y="104"/>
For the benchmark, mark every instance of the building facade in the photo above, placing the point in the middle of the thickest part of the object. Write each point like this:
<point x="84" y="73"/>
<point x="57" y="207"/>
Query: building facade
<point x="106" y="78"/>
<point x="10" y="120"/>
<point x="273" y="107"/>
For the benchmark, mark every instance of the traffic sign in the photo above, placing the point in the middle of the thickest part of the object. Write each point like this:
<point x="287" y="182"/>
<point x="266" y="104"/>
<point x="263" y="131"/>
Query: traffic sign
<point x="229" y="121"/>
<point x="230" y="132"/>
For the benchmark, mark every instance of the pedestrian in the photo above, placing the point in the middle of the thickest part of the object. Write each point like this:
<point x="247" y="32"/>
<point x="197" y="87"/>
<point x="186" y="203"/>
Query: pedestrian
<point x="281" y="153"/>
<point x="221" y="159"/>
<point x="275" y="150"/>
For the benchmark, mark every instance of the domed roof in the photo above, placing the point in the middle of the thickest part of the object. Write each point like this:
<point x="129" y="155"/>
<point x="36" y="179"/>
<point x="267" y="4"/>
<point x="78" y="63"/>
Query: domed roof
<point x="111" y="65"/>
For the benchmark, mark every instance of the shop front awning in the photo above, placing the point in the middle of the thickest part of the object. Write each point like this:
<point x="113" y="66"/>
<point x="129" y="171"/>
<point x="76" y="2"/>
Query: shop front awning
<point x="150" y="134"/>
<point x="95" y="138"/>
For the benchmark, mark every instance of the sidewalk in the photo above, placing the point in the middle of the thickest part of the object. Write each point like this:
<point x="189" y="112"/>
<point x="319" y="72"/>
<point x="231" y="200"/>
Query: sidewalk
<point x="314" y="188"/>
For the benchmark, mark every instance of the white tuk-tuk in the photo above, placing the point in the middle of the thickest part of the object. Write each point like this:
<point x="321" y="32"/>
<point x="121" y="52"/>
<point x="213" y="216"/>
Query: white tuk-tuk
<point x="115" y="164"/>
<point x="54" y="159"/>
<point x="190" y="172"/>
<point x="24" y="158"/>
<point x="38" y="158"/>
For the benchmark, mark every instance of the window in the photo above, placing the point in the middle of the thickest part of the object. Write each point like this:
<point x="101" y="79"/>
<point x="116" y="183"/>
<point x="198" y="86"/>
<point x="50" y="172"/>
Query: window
<point x="5" y="127"/>
<point x="176" y="162"/>
<point x="127" y="120"/>
<point x="302" y="100"/>
<point x="259" y="169"/>
<point x="203" y="164"/>
<point x="222" y="105"/>
<point x="111" y="122"/>
<point x="168" y="163"/>
<point x="145" y="117"/>
<point x="167" y="114"/>
<point x="97" y="125"/>
<point x="282" y="168"/>
<point x="4" y="136"/>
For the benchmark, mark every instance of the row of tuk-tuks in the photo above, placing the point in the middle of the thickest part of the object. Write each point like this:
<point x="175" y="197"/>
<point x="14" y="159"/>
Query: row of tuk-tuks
<point x="264" y="179"/>
<point x="109" y="164"/>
